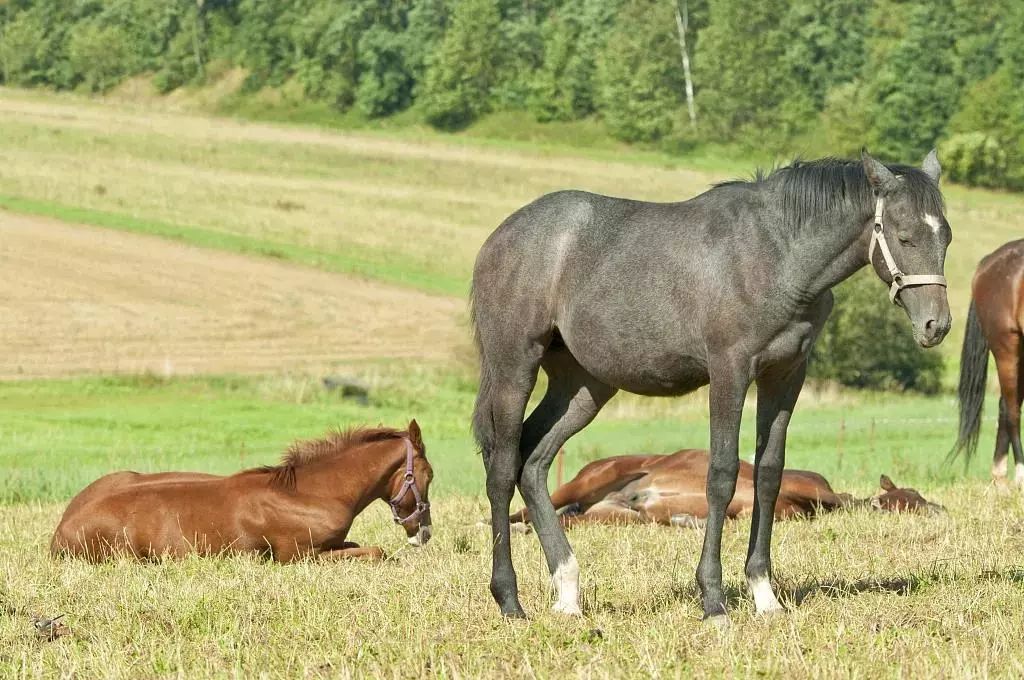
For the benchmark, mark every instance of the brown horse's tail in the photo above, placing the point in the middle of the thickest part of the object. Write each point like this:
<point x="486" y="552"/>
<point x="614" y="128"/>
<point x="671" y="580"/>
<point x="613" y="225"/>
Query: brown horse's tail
<point x="971" y="392"/>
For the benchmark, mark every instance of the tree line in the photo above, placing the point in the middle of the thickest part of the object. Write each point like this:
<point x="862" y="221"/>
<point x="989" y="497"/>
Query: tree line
<point x="894" y="74"/>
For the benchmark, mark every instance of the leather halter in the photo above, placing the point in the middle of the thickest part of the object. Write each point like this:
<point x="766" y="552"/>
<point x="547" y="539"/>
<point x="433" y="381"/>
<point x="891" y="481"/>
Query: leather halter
<point x="409" y="484"/>
<point x="899" y="279"/>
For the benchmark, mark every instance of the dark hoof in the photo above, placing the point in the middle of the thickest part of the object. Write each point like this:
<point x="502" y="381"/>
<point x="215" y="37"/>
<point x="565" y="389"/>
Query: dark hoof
<point x="515" y="612"/>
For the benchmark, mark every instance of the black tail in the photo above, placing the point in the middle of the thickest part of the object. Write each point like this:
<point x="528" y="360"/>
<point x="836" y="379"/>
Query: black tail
<point x="971" y="392"/>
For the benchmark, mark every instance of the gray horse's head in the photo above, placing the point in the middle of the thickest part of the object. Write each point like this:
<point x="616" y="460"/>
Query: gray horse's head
<point x="917" y="235"/>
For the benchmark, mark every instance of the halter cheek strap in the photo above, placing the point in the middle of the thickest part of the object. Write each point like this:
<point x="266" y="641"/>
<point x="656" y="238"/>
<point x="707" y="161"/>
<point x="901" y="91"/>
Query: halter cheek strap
<point x="899" y="279"/>
<point x="408" y="485"/>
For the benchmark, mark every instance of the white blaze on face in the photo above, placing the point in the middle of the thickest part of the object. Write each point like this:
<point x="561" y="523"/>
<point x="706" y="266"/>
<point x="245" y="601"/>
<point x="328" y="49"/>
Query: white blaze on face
<point x="566" y="582"/>
<point x="764" y="597"/>
<point x="934" y="222"/>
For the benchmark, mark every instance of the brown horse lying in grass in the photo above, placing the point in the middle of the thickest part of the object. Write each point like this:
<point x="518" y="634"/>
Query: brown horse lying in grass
<point x="302" y="507"/>
<point x="670" y="490"/>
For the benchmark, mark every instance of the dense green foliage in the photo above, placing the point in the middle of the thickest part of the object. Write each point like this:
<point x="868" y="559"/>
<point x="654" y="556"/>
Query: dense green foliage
<point x="868" y="343"/>
<point x="818" y="76"/>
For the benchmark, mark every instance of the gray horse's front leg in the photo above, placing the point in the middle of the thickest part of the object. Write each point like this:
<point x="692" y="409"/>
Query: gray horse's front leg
<point x="729" y="385"/>
<point x="776" y="396"/>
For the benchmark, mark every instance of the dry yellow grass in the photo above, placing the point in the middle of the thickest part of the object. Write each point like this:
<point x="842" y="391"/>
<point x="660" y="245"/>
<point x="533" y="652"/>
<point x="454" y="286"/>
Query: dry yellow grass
<point x="80" y="300"/>
<point x="870" y="596"/>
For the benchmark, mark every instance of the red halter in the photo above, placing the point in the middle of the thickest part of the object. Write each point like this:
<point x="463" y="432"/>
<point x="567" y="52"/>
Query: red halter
<point x="409" y="484"/>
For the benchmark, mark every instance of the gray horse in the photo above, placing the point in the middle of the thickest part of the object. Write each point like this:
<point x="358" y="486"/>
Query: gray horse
<point x="725" y="289"/>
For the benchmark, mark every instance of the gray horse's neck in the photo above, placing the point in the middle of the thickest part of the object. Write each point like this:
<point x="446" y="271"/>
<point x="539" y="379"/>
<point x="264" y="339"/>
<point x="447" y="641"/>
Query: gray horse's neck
<point x="827" y="251"/>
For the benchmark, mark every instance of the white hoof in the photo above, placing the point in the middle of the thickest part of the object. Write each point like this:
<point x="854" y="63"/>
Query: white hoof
<point x="764" y="597"/>
<point x="567" y="608"/>
<point x="566" y="582"/>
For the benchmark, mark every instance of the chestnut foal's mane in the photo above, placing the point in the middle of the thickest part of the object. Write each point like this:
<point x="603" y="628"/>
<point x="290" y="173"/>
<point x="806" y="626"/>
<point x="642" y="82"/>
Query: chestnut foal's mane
<point x="304" y="452"/>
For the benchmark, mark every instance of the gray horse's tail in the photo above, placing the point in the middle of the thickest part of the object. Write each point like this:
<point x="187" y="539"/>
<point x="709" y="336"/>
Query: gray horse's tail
<point x="971" y="392"/>
<point x="483" y="413"/>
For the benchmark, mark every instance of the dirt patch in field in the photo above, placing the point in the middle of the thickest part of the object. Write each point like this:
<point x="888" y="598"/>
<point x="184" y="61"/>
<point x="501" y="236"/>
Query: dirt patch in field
<point x="83" y="300"/>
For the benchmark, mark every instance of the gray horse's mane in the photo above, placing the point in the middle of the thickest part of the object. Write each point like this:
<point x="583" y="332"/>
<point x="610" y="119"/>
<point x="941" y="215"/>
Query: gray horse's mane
<point x="811" y="189"/>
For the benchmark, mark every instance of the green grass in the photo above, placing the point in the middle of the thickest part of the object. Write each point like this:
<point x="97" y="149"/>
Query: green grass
<point x="871" y="595"/>
<point x="57" y="436"/>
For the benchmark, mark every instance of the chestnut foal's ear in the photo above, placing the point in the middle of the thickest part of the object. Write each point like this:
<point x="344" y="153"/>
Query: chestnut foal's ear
<point x="886" y="483"/>
<point x="415" y="436"/>
<point x="880" y="177"/>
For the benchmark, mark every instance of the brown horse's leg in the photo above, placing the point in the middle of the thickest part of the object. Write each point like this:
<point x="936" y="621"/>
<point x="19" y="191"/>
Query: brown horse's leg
<point x="571" y="492"/>
<point x="1013" y="423"/>
<point x="371" y="553"/>
<point x="1007" y="352"/>
<point x="1002" y="450"/>
<point x="589" y="486"/>
<point x="605" y="512"/>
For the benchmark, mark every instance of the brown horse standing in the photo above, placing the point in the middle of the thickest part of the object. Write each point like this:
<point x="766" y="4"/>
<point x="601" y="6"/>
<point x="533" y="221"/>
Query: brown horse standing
<point x="302" y="507"/>
<point x="994" y="322"/>
<point x="670" y="490"/>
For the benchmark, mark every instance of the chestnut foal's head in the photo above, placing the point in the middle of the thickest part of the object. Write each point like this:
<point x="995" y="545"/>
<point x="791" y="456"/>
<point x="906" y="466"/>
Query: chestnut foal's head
<point x="409" y="488"/>
<point x="895" y="499"/>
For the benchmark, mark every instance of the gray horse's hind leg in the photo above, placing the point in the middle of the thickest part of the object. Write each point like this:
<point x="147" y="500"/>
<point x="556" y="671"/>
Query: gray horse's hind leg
<point x="572" y="400"/>
<point x="498" y="424"/>
<point x="776" y="397"/>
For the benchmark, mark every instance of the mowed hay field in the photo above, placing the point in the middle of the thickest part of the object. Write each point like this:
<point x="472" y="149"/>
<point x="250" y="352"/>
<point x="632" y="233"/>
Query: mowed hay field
<point x="86" y="300"/>
<point x="175" y="287"/>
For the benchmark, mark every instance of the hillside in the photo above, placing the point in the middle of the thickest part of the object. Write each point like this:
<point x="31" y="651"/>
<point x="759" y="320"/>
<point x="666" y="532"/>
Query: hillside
<point x="406" y="210"/>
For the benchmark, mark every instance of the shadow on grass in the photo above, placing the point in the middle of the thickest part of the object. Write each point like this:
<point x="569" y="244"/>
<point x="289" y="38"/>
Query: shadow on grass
<point x="903" y="585"/>
<point x="658" y="601"/>
<point x="838" y="588"/>
<point x="794" y="596"/>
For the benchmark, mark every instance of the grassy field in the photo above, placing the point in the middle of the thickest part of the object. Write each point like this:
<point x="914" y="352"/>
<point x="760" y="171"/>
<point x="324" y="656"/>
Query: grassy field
<point x="178" y="284"/>
<point x="56" y="436"/>
<point x="411" y="210"/>
<point x="870" y="596"/>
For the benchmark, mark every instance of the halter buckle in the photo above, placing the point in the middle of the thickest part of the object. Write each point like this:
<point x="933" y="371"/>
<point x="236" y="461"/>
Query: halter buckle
<point x="408" y="484"/>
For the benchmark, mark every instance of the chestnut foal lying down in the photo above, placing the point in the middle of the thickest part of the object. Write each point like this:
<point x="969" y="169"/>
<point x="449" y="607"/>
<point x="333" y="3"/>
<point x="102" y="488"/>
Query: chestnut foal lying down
<point x="302" y="507"/>
<point x="670" y="490"/>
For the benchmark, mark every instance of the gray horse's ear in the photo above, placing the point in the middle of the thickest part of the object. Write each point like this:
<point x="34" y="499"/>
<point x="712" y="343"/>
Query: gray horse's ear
<point x="880" y="177"/>
<point x="931" y="166"/>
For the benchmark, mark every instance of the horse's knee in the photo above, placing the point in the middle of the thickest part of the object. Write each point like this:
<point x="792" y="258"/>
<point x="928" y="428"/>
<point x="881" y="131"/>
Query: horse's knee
<point x="501" y="483"/>
<point x="721" y="481"/>
<point x="533" y="480"/>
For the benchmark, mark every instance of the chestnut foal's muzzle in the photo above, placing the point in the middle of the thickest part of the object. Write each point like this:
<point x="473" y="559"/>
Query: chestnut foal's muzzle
<point x="408" y="485"/>
<point x="899" y="279"/>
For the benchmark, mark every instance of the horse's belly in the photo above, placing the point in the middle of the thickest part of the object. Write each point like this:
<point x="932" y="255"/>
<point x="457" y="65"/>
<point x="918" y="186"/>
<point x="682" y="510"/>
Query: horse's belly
<point x="650" y="373"/>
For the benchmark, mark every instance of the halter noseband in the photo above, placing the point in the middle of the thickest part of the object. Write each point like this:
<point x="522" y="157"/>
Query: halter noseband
<point x="409" y="484"/>
<point x="899" y="279"/>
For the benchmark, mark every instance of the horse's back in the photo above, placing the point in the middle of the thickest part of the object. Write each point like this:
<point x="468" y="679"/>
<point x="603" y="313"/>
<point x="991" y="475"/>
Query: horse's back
<point x="111" y="513"/>
<point x="997" y="289"/>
